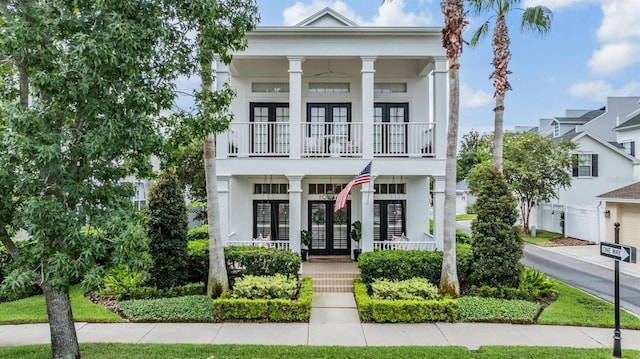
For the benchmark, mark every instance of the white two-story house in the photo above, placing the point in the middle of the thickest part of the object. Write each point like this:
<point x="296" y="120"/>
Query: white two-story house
<point x="316" y="102"/>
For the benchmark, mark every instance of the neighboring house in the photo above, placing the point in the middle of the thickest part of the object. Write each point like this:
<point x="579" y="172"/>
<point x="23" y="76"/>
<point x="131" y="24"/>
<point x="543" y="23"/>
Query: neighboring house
<point x="315" y="103"/>
<point x="606" y="160"/>
<point x="623" y="206"/>
<point x="464" y="197"/>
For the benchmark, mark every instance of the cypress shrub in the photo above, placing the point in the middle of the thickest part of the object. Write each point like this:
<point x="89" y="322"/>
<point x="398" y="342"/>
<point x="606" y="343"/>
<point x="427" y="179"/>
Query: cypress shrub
<point x="167" y="229"/>
<point x="497" y="245"/>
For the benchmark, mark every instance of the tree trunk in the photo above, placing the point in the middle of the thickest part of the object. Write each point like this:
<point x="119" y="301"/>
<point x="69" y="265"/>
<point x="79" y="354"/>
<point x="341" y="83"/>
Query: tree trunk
<point x="64" y="340"/>
<point x="501" y="57"/>
<point x="498" y="133"/>
<point x="453" y="11"/>
<point x="217" y="280"/>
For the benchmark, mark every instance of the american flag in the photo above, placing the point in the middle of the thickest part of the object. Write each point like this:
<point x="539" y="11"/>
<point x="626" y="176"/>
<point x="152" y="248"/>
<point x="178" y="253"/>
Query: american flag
<point x="360" y="178"/>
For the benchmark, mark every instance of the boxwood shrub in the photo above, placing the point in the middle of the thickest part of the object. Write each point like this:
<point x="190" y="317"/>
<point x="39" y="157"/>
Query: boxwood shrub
<point x="198" y="260"/>
<point x="414" y="288"/>
<point x="265" y="287"/>
<point x="273" y="310"/>
<point x="397" y="265"/>
<point x="252" y="260"/>
<point x="196" y="308"/>
<point x="403" y="311"/>
<point x="477" y="309"/>
<point x="198" y="233"/>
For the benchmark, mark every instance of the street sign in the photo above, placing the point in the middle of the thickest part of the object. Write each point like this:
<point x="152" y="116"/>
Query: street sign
<point x="618" y="252"/>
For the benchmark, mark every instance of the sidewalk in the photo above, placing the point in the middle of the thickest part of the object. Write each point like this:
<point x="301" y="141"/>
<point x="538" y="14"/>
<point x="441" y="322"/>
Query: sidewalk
<point x="334" y="321"/>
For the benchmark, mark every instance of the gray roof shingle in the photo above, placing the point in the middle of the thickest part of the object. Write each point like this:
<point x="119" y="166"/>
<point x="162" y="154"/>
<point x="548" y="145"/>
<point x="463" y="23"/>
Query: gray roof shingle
<point x="631" y="191"/>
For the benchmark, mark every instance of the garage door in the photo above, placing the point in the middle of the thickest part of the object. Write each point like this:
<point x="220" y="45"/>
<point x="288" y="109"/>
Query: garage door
<point x="630" y="225"/>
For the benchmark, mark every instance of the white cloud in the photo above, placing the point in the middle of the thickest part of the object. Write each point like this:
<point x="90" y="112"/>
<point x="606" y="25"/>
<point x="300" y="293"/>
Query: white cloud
<point x="597" y="90"/>
<point x="619" y="35"/>
<point x="614" y="56"/>
<point x="389" y="13"/>
<point x="556" y="4"/>
<point x="471" y="98"/>
<point x="300" y="11"/>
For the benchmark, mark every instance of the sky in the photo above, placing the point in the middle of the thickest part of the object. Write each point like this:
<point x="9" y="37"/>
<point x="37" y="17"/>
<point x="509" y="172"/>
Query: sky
<point x="591" y="52"/>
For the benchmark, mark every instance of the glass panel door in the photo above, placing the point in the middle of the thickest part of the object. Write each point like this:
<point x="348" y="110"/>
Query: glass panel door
<point x="330" y="230"/>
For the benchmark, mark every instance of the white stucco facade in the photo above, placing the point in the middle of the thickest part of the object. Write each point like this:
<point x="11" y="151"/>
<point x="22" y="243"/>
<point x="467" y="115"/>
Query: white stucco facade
<point x="315" y="104"/>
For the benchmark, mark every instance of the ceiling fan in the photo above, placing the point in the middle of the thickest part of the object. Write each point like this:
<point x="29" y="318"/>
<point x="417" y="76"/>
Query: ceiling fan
<point x="329" y="71"/>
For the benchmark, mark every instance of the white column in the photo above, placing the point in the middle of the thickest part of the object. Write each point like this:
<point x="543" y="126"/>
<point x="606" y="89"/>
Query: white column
<point x="295" y="211"/>
<point x="440" y="106"/>
<point x="438" y="212"/>
<point x="367" y="215"/>
<point x="223" y="201"/>
<point x="367" y="73"/>
<point x="295" y="105"/>
<point x="222" y="76"/>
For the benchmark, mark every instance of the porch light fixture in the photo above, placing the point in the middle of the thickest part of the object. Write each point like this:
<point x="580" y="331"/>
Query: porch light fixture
<point x="607" y="213"/>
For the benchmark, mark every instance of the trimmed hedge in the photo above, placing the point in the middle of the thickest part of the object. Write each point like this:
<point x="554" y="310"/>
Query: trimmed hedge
<point x="403" y="311"/>
<point x="198" y="233"/>
<point x="477" y="309"/>
<point x="402" y="265"/>
<point x="198" y="260"/>
<point x="197" y="308"/>
<point x="252" y="260"/>
<point x="273" y="310"/>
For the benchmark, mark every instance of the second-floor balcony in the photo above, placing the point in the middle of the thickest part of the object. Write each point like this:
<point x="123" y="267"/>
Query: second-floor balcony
<point x="331" y="139"/>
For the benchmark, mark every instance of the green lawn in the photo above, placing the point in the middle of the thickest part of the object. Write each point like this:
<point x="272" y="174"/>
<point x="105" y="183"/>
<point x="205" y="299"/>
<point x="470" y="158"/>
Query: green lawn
<point x="574" y="307"/>
<point x="465" y="217"/>
<point x="33" y="310"/>
<point x="144" y="351"/>
<point x="542" y="238"/>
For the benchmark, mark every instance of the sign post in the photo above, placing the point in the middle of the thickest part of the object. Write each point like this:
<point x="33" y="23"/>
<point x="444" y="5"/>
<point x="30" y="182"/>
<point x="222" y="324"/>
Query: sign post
<point x="620" y="253"/>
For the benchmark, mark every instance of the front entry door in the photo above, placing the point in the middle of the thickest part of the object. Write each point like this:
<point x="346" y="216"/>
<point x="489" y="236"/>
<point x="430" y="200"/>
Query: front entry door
<point x="330" y="230"/>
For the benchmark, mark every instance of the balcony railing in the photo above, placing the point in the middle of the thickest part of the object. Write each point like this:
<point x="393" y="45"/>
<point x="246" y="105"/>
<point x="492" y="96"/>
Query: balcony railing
<point x="331" y="139"/>
<point x="263" y="243"/>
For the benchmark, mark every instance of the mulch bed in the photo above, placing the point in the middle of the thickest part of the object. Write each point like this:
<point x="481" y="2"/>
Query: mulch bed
<point x="569" y="241"/>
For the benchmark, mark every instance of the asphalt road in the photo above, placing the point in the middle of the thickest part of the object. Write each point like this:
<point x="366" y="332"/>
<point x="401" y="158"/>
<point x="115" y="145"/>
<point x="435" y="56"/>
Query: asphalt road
<point x="591" y="278"/>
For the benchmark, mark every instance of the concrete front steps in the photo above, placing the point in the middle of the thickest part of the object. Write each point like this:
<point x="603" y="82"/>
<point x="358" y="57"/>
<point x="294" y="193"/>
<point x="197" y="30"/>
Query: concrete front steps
<point x="330" y="277"/>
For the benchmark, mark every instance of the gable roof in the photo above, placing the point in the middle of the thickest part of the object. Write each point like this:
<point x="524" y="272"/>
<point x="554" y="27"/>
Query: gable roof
<point x="632" y="122"/>
<point x="581" y="120"/>
<point x="606" y="144"/>
<point x="327" y="17"/>
<point x="629" y="192"/>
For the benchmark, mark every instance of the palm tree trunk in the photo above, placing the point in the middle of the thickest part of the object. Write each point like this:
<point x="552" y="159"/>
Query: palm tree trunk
<point x="64" y="340"/>
<point x="501" y="57"/>
<point x="453" y="11"/>
<point x="217" y="280"/>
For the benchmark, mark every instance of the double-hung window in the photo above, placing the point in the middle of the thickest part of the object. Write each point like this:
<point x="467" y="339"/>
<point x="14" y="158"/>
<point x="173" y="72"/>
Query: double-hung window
<point x="586" y="165"/>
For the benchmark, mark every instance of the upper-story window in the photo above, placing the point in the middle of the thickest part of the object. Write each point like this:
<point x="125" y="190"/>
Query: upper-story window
<point x="275" y="87"/>
<point x="390" y="87"/>
<point x="587" y="165"/>
<point x="329" y="87"/>
<point x="556" y="129"/>
<point x="139" y="199"/>
<point x="629" y="147"/>
<point x="390" y="130"/>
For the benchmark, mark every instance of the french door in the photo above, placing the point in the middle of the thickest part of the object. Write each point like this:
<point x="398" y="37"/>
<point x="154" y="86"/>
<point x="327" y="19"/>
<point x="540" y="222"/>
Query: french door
<point x="330" y="230"/>
<point x="389" y="219"/>
<point x="390" y="129"/>
<point x="270" y="218"/>
<point x="269" y="128"/>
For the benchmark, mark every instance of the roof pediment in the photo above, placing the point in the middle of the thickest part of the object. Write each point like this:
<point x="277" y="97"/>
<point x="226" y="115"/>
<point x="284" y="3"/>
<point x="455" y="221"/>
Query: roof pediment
<point x="326" y="17"/>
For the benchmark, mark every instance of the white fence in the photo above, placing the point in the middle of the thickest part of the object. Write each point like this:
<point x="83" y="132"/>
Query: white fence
<point x="581" y="222"/>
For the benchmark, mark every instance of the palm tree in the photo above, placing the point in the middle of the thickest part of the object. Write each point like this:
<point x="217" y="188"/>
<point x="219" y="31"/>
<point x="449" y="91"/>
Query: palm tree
<point x="454" y="24"/>
<point x="536" y="19"/>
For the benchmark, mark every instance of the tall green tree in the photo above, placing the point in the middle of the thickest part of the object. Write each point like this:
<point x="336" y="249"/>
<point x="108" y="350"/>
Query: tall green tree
<point x="91" y="79"/>
<point x="497" y="245"/>
<point x="535" y="19"/>
<point x="535" y="169"/>
<point x="167" y="229"/>
<point x="474" y="149"/>
<point x="454" y="24"/>
<point x="220" y="27"/>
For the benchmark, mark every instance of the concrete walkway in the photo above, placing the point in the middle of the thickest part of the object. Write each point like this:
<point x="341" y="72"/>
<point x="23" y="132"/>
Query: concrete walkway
<point x="334" y="321"/>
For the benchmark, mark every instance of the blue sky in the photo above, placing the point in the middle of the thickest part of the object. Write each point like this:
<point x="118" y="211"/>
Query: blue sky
<point x="592" y="51"/>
